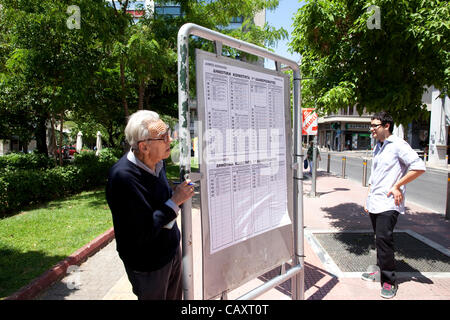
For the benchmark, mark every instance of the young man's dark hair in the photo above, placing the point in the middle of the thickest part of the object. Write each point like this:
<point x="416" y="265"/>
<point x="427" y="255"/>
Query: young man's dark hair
<point x="385" y="118"/>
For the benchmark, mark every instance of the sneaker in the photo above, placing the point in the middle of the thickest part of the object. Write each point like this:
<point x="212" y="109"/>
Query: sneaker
<point x="372" y="276"/>
<point x="388" y="291"/>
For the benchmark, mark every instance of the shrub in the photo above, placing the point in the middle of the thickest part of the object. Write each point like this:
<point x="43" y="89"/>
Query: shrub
<point x="34" y="160"/>
<point x="93" y="169"/>
<point x="111" y="153"/>
<point x="22" y="187"/>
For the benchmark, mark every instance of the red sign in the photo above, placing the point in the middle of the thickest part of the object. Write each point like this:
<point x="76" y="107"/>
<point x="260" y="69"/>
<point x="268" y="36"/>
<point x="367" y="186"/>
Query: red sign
<point x="136" y="13"/>
<point x="309" y="122"/>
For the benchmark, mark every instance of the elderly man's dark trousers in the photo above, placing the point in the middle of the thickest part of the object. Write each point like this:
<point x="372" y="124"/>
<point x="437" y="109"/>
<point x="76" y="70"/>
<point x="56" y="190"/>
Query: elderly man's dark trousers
<point x="383" y="226"/>
<point x="161" y="284"/>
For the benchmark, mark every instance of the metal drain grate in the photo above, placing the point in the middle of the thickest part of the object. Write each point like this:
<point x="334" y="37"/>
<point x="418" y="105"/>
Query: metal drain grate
<point x="354" y="252"/>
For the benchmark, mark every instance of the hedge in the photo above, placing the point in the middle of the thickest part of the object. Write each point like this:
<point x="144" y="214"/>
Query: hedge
<point x="23" y="187"/>
<point x="14" y="161"/>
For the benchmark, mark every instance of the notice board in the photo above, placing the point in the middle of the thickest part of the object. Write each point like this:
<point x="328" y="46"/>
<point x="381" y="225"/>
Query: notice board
<point x="245" y="147"/>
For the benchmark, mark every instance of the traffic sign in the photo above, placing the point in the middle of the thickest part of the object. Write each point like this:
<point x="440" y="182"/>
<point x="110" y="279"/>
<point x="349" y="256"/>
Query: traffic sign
<point x="310" y="122"/>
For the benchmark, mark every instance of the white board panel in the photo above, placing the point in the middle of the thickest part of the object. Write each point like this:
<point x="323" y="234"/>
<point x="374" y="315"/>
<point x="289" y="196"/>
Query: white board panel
<point x="246" y="155"/>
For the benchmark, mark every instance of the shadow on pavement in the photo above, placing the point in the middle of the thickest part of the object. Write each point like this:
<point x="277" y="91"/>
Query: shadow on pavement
<point x="313" y="275"/>
<point x="347" y="216"/>
<point x="353" y="252"/>
<point x="334" y="190"/>
<point x="61" y="289"/>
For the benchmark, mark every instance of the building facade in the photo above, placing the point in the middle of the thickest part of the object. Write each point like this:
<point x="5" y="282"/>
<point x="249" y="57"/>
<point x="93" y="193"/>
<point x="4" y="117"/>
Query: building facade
<point x="345" y="130"/>
<point x="439" y="123"/>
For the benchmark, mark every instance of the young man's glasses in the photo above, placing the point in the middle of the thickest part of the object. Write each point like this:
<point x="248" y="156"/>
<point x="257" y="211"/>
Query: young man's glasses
<point x="375" y="126"/>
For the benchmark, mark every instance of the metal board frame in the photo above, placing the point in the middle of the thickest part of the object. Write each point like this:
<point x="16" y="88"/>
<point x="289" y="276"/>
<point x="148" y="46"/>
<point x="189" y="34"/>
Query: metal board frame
<point x="231" y="267"/>
<point x="297" y="272"/>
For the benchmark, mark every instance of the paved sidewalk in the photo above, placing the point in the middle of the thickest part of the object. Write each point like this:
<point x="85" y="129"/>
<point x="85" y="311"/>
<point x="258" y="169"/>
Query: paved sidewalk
<point x="338" y="207"/>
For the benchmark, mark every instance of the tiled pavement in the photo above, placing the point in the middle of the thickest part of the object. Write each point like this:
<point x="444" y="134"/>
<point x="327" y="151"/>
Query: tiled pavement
<point x="338" y="207"/>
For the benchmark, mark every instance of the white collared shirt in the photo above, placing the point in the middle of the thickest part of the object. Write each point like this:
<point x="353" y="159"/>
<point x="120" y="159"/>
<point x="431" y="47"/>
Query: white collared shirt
<point x="390" y="162"/>
<point x="131" y="157"/>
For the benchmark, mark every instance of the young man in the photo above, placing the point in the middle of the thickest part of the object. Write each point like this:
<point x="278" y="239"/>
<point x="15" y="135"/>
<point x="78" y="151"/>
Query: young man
<point x="394" y="164"/>
<point x="144" y="210"/>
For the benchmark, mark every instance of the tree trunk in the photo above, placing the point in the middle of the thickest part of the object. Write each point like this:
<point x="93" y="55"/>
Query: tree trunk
<point x="41" y="136"/>
<point x="141" y="95"/>
<point x="122" y="82"/>
<point x="147" y="99"/>
<point x="109" y="129"/>
<point x="61" y="140"/>
<point x="53" y="138"/>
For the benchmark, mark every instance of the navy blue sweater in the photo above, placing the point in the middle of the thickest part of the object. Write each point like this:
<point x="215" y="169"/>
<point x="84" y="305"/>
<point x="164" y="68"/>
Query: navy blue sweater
<point x="134" y="196"/>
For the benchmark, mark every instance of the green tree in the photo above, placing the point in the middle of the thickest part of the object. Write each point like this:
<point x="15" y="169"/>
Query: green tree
<point x="96" y="74"/>
<point x="146" y="53"/>
<point x="218" y="15"/>
<point x="48" y="58"/>
<point x="346" y="60"/>
<point x="148" y="59"/>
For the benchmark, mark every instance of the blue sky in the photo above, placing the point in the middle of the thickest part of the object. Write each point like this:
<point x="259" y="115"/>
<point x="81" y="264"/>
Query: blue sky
<point x="282" y="17"/>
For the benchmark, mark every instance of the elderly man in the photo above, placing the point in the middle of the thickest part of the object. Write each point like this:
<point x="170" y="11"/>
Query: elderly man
<point x="144" y="210"/>
<point x="394" y="164"/>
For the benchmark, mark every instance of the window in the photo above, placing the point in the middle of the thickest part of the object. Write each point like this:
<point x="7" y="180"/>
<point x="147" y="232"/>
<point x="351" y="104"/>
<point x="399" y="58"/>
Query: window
<point x="174" y="11"/>
<point x="237" y="19"/>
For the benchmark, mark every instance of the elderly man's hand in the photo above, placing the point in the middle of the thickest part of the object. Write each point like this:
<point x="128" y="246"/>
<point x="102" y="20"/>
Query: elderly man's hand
<point x="182" y="192"/>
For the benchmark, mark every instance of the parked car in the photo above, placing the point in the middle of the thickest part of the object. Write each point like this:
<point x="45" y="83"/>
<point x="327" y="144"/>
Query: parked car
<point x="67" y="151"/>
<point x="72" y="150"/>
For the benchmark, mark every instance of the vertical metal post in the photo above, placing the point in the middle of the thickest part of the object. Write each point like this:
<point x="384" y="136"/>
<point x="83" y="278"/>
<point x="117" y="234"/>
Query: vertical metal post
<point x="185" y="163"/>
<point x="218" y="48"/>
<point x="314" y="168"/>
<point x="364" y="176"/>
<point x="328" y="162"/>
<point x="447" y="210"/>
<point x="344" y="160"/>
<point x="297" y="282"/>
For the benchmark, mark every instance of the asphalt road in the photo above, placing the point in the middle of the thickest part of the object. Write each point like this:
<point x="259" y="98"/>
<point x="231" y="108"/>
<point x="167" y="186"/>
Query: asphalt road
<point x="429" y="190"/>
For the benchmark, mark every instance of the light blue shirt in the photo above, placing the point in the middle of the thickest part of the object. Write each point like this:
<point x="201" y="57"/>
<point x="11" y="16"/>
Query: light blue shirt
<point x="131" y="157"/>
<point x="390" y="162"/>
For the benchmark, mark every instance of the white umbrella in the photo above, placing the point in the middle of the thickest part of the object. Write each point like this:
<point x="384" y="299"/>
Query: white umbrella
<point x="99" y="143"/>
<point x="79" y="141"/>
<point x="398" y="131"/>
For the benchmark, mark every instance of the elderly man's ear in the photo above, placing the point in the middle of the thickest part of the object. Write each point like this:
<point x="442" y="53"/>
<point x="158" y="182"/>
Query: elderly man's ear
<point x="142" y="147"/>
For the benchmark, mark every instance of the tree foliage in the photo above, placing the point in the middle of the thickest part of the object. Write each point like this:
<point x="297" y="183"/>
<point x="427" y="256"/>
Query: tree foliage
<point x="99" y="73"/>
<point x="47" y="64"/>
<point x="345" y="62"/>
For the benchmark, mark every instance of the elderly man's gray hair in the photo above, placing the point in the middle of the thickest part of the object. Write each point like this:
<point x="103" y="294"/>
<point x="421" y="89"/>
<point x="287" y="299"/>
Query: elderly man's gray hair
<point x="137" y="126"/>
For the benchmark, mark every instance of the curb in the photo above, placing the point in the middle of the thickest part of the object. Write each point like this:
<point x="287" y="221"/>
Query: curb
<point x="58" y="271"/>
